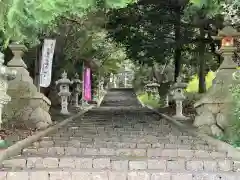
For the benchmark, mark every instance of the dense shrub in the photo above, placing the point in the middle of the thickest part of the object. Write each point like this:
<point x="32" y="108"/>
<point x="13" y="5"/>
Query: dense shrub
<point x="149" y="100"/>
<point x="232" y="134"/>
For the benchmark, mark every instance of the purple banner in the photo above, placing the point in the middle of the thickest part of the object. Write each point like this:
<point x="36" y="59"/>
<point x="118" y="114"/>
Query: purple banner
<point x="87" y="84"/>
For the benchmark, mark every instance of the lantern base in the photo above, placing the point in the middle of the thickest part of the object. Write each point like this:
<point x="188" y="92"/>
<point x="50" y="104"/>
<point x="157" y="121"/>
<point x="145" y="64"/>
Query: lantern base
<point x="65" y="112"/>
<point x="181" y="118"/>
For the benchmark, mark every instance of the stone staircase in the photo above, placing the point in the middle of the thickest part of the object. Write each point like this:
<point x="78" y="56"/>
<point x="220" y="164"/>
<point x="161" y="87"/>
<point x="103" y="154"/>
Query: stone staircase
<point x="120" y="141"/>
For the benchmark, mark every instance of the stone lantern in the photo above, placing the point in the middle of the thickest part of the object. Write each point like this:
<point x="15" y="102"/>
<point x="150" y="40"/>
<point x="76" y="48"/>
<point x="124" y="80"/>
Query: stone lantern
<point x="64" y="93"/>
<point x="214" y="107"/>
<point x="152" y="88"/>
<point x="178" y="96"/>
<point x="77" y="90"/>
<point x="6" y="74"/>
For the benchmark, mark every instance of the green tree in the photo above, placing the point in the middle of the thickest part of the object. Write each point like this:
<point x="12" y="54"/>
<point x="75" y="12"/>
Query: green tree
<point x="23" y="20"/>
<point x="158" y="31"/>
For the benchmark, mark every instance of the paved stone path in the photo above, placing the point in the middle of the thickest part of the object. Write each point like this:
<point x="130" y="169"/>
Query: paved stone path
<point x="120" y="141"/>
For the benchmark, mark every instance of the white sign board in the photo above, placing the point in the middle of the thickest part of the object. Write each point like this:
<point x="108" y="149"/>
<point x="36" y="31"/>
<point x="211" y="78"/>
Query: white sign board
<point x="46" y="63"/>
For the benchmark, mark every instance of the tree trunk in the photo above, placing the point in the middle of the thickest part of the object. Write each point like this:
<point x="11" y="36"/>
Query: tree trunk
<point x="178" y="49"/>
<point x="201" y="59"/>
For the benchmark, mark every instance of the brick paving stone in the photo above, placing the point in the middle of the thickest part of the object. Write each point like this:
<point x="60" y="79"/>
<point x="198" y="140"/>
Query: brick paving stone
<point x="210" y="165"/>
<point x="161" y="176"/>
<point x="180" y="176"/>
<point x="157" y="164"/>
<point x="139" y="152"/>
<point x="90" y="151"/>
<point x="56" y="151"/>
<point x="17" y="175"/>
<point x="20" y="163"/>
<point x="144" y="145"/>
<point x="117" y="176"/>
<point x="195" y="165"/>
<point x="84" y="163"/>
<point x="124" y="152"/>
<point x="176" y="165"/>
<point x="29" y="151"/>
<point x="215" y="154"/>
<point x="3" y="175"/>
<point x="107" y="151"/>
<point x="46" y="143"/>
<point x="74" y="143"/>
<point x="225" y="165"/>
<point x="154" y="152"/>
<point x="35" y="162"/>
<point x="138" y="176"/>
<point x="40" y="175"/>
<point x="169" y="153"/>
<point x="60" y="175"/>
<point x="71" y="151"/>
<point x="120" y="165"/>
<point x="81" y="176"/>
<point x="158" y="145"/>
<point x="67" y="163"/>
<point x="203" y="176"/>
<point x="101" y="163"/>
<point x="50" y="162"/>
<point x="202" y="154"/>
<point x="137" y="165"/>
<point x="185" y="153"/>
<point x="99" y="176"/>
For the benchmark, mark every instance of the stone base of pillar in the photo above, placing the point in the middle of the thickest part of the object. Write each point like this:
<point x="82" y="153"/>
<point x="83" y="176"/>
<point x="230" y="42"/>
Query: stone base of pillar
<point x="31" y="111"/>
<point x="64" y="112"/>
<point x="181" y="118"/>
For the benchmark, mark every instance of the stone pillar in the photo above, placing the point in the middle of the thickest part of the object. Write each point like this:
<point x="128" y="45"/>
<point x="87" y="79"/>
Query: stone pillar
<point x="5" y="75"/>
<point x="125" y="78"/>
<point x="27" y="106"/>
<point x="166" y="103"/>
<point x="76" y="90"/>
<point x="64" y="93"/>
<point x="214" y="107"/>
<point x="114" y="81"/>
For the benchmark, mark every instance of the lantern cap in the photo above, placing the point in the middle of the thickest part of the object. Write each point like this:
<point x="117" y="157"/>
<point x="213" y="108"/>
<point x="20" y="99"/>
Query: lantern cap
<point x="227" y="31"/>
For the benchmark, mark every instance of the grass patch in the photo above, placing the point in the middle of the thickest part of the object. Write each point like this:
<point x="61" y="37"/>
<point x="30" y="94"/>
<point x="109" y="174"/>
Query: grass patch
<point x="193" y="84"/>
<point x="149" y="100"/>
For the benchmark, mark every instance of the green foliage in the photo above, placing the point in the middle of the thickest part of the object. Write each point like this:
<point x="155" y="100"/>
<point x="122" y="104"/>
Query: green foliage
<point x="149" y="100"/>
<point x="233" y="131"/>
<point x="193" y="84"/>
<point x="24" y="20"/>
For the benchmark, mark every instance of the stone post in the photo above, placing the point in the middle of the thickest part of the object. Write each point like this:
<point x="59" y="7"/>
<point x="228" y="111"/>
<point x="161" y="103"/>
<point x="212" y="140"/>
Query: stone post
<point x="179" y="97"/>
<point x="64" y="93"/>
<point x="77" y="90"/>
<point x="5" y="75"/>
<point x="27" y="105"/>
<point x="114" y="81"/>
<point x="167" y="101"/>
<point x="213" y="109"/>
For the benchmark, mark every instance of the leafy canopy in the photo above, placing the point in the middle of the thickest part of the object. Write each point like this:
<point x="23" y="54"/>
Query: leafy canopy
<point x="24" y="20"/>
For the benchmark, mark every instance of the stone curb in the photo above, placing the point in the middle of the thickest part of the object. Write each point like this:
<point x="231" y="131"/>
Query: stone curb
<point x="20" y="145"/>
<point x="233" y="152"/>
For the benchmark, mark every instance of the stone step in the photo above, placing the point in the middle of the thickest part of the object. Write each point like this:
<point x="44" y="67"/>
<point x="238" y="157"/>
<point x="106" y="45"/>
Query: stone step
<point x="84" y="143"/>
<point x="122" y="163"/>
<point x="149" y="152"/>
<point x="121" y="142"/>
<point x="69" y="174"/>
